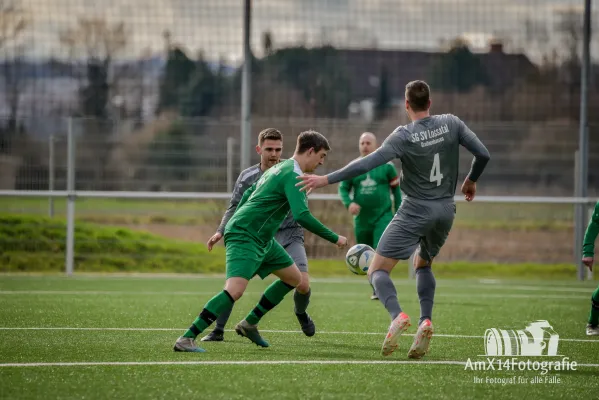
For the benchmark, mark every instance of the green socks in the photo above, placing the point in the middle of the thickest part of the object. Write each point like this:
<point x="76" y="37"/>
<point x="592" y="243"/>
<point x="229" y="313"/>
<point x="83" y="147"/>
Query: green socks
<point x="594" y="315"/>
<point x="211" y="311"/>
<point x="272" y="296"/>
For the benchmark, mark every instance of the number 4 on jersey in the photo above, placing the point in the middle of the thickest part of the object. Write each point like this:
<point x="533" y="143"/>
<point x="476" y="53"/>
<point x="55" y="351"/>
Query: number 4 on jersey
<point x="436" y="174"/>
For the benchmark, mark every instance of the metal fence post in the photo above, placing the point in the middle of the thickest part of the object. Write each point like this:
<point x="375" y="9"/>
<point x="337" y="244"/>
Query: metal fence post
<point x="578" y="221"/>
<point x="246" y="88"/>
<point x="230" y="157"/>
<point x="583" y="138"/>
<point x="51" y="175"/>
<point x="590" y="208"/>
<point x="70" y="253"/>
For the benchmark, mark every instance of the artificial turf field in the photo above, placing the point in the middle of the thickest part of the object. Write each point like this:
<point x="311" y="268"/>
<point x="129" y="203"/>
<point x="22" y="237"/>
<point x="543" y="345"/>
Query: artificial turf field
<point x="111" y="337"/>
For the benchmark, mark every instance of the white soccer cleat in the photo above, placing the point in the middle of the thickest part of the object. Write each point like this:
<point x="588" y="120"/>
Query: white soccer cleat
<point x="398" y="326"/>
<point x="592" y="330"/>
<point x="422" y="340"/>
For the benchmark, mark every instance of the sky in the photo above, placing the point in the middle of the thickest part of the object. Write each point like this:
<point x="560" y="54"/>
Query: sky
<point x="216" y="26"/>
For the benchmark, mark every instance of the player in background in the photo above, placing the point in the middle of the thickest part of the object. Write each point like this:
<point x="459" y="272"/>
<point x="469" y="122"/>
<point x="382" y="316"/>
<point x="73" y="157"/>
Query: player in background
<point x="370" y="203"/>
<point x="588" y="257"/>
<point x="250" y="245"/>
<point x="429" y="151"/>
<point x="290" y="234"/>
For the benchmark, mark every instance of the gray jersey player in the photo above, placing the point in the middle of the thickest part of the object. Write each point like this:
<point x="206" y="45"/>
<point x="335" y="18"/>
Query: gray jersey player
<point x="429" y="152"/>
<point x="290" y="234"/>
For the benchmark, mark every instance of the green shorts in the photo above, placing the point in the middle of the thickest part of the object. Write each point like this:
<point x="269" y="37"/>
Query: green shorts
<point x="369" y="232"/>
<point x="246" y="258"/>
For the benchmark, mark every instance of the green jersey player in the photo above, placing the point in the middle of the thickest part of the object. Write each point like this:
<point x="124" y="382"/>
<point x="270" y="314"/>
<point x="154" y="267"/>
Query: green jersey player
<point x="429" y="149"/>
<point x="290" y="234"/>
<point x="588" y="258"/>
<point x="367" y="198"/>
<point x="250" y="245"/>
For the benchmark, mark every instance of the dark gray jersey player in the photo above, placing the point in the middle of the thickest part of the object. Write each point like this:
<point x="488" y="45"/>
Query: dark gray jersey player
<point x="290" y="234"/>
<point x="429" y="152"/>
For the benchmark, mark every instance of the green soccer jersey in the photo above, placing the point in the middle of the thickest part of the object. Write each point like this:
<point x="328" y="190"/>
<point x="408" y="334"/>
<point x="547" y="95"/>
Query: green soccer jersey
<point x="265" y="205"/>
<point x="588" y="249"/>
<point x="371" y="192"/>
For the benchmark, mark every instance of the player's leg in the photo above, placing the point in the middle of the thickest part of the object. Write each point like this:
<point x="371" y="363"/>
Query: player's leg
<point x="365" y="235"/>
<point x="301" y="296"/>
<point x="593" y="322"/>
<point x="218" y="333"/>
<point x="377" y="232"/>
<point x="242" y="261"/>
<point x="426" y="284"/>
<point x="234" y="288"/>
<point x="398" y="242"/>
<point x="276" y="262"/>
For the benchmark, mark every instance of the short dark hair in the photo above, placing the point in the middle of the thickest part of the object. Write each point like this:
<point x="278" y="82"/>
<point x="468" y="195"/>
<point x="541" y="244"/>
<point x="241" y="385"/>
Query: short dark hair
<point x="418" y="94"/>
<point x="311" y="139"/>
<point x="269" y="134"/>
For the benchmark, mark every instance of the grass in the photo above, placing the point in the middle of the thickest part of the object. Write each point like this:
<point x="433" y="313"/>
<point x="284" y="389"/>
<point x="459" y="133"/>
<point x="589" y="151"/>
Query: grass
<point x="153" y="312"/>
<point x="30" y="243"/>
<point x="490" y="216"/>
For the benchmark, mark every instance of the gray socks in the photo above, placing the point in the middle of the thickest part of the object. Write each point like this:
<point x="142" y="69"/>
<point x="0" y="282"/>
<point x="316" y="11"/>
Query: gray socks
<point x="385" y="290"/>
<point x="425" y="285"/>
<point x="222" y="319"/>
<point x="301" y="301"/>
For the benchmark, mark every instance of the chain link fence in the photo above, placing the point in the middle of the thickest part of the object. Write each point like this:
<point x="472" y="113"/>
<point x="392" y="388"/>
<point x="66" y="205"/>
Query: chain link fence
<point x="152" y="91"/>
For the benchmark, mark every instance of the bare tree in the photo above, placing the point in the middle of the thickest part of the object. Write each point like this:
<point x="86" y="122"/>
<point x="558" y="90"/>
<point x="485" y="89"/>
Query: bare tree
<point x="569" y="26"/>
<point x="13" y="23"/>
<point x="98" y="43"/>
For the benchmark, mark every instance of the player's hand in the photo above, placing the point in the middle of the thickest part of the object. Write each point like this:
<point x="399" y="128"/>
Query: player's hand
<point x="214" y="240"/>
<point x="588" y="261"/>
<point x="341" y="242"/>
<point x="469" y="189"/>
<point x="354" y="209"/>
<point x="310" y="182"/>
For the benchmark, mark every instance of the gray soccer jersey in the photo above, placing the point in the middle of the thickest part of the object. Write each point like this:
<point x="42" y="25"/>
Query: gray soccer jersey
<point x="289" y="230"/>
<point x="429" y="152"/>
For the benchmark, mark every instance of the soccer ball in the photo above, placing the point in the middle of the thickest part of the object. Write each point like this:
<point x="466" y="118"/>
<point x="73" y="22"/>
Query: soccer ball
<point x="358" y="258"/>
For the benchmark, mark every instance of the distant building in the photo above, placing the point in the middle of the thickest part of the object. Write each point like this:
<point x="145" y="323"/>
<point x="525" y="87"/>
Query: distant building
<point x="364" y="68"/>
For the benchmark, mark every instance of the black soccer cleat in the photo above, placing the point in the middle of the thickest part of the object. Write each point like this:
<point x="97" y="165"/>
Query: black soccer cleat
<point x="306" y="323"/>
<point x="251" y="332"/>
<point x="214" y="336"/>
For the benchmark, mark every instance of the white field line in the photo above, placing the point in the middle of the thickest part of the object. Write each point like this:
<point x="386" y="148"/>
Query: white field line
<point x="260" y="362"/>
<point x="316" y="293"/>
<point x="458" y="283"/>
<point x="10" y="328"/>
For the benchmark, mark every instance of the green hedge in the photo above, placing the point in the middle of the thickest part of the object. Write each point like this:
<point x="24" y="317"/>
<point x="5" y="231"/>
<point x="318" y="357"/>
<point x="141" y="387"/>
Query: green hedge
<point x="32" y="243"/>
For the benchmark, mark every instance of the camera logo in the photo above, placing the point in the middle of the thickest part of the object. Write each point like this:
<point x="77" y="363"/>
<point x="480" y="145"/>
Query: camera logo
<point x="537" y="339"/>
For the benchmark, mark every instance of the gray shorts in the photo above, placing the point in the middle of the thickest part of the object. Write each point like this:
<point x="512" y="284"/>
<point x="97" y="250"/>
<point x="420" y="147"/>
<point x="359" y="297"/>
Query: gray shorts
<point x="293" y="243"/>
<point x="418" y="222"/>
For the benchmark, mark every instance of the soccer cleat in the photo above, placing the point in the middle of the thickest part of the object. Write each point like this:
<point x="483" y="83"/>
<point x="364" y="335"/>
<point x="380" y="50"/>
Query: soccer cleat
<point x="251" y="332"/>
<point x="187" y="345"/>
<point x="422" y="340"/>
<point x="398" y="326"/>
<point x="214" y="336"/>
<point x="374" y="296"/>
<point x="306" y="323"/>
<point x="592" y="330"/>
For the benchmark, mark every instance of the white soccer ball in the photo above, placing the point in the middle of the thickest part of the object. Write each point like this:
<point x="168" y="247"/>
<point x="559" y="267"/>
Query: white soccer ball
<point x="358" y="259"/>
